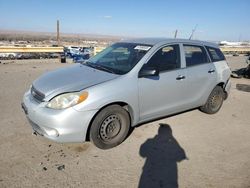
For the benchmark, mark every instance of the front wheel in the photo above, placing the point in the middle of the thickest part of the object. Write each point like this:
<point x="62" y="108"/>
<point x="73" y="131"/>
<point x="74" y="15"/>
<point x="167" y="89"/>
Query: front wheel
<point x="214" y="101"/>
<point x="110" y="127"/>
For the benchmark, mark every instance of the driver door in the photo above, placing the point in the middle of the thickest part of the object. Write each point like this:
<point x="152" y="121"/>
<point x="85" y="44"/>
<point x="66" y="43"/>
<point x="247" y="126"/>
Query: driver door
<point x="163" y="94"/>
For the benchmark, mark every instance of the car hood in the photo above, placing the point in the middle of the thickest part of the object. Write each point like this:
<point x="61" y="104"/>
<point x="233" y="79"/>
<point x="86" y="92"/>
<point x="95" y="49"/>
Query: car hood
<point x="69" y="79"/>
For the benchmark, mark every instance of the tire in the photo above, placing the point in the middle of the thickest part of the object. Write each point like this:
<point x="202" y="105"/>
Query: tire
<point x="110" y="127"/>
<point x="214" y="101"/>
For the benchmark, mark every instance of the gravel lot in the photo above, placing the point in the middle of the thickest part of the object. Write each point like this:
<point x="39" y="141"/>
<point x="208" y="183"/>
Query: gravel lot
<point x="192" y="149"/>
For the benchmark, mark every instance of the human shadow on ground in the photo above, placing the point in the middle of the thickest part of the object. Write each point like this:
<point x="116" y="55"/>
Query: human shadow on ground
<point x="162" y="154"/>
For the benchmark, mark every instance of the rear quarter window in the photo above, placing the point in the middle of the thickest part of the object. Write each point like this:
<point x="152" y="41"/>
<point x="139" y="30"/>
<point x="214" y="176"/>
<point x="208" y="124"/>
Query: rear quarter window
<point x="215" y="54"/>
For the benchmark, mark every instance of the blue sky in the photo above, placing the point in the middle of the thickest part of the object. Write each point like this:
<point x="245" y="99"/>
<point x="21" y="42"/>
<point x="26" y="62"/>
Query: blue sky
<point x="216" y="19"/>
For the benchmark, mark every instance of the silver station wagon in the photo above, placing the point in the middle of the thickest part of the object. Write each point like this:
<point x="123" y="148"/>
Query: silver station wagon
<point x="126" y="84"/>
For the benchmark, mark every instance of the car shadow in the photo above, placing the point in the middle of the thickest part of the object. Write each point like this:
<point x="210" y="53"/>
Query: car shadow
<point x="162" y="154"/>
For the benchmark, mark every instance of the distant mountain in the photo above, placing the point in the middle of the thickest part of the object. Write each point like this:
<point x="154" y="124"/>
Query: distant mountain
<point x="24" y="35"/>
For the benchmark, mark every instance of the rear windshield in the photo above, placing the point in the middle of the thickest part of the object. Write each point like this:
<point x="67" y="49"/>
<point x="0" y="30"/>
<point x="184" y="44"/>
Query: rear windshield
<point x="215" y="54"/>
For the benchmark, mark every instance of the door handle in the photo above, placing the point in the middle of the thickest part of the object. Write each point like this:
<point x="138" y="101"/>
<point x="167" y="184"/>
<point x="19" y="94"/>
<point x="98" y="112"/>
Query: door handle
<point x="180" y="77"/>
<point x="211" y="71"/>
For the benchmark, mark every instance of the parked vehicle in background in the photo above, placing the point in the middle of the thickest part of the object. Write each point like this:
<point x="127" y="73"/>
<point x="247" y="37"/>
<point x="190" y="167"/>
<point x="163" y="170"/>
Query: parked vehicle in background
<point x="37" y="55"/>
<point x="81" y="58"/>
<point x="85" y="54"/>
<point x="87" y="50"/>
<point x="19" y="56"/>
<point x="126" y="84"/>
<point x="74" y="51"/>
<point x="7" y="56"/>
<point x="28" y="56"/>
<point x="71" y="51"/>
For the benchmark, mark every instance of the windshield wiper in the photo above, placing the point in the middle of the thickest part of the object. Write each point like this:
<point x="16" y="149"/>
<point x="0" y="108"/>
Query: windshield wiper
<point x="98" y="66"/>
<point x="101" y="67"/>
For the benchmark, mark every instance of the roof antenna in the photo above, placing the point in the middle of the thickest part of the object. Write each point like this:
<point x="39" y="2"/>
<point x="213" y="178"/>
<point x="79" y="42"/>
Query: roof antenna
<point x="175" y="34"/>
<point x="193" y="31"/>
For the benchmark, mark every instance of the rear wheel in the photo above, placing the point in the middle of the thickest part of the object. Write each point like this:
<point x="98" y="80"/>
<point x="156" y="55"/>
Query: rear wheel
<point x="110" y="127"/>
<point x="214" y="102"/>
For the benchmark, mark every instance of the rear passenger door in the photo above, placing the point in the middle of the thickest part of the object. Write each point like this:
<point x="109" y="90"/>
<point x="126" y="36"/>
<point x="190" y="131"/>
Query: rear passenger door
<point x="200" y="72"/>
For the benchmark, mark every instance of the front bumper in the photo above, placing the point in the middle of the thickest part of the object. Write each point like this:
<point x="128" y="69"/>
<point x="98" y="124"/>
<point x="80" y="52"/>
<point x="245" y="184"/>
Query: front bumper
<point x="68" y="125"/>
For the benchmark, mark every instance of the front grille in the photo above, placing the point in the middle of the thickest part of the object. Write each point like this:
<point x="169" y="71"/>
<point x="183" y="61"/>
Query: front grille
<point x="37" y="94"/>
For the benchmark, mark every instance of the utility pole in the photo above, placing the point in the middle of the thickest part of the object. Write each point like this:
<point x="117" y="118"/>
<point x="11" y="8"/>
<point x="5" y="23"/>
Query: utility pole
<point x="193" y="32"/>
<point x="240" y="38"/>
<point x="62" y="58"/>
<point x="58" y="34"/>
<point x="175" y="34"/>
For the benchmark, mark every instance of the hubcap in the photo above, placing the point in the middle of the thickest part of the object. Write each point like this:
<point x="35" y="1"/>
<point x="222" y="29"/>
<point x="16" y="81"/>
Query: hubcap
<point x="110" y="127"/>
<point x="216" y="101"/>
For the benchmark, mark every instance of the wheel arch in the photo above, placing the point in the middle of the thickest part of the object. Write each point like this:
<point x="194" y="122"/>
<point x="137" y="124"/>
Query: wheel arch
<point x="222" y="85"/>
<point x="124" y="105"/>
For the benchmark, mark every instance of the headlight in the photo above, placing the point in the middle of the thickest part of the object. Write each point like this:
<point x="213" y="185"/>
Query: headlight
<point x="67" y="100"/>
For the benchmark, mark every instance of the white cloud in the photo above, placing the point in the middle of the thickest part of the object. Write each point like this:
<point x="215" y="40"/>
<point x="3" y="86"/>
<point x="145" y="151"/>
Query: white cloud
<point x="107" y="17"/>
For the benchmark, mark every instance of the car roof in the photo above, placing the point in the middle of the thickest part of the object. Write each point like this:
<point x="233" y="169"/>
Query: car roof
<point x="154" y="41"/>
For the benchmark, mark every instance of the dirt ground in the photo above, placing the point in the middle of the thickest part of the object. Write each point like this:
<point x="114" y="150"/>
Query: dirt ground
<point x="192" y="149"/>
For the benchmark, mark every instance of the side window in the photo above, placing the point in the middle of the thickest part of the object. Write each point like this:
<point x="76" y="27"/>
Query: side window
<point x="215" y="54"/>
<point x="195" y="55"/>
<point x="167" y="58"/>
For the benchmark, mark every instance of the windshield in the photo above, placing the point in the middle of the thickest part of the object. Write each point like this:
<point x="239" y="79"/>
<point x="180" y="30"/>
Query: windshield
<point x="119" y="58"/>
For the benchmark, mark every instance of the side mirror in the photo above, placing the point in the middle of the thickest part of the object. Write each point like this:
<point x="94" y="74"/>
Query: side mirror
<point x="148" y="71"/>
